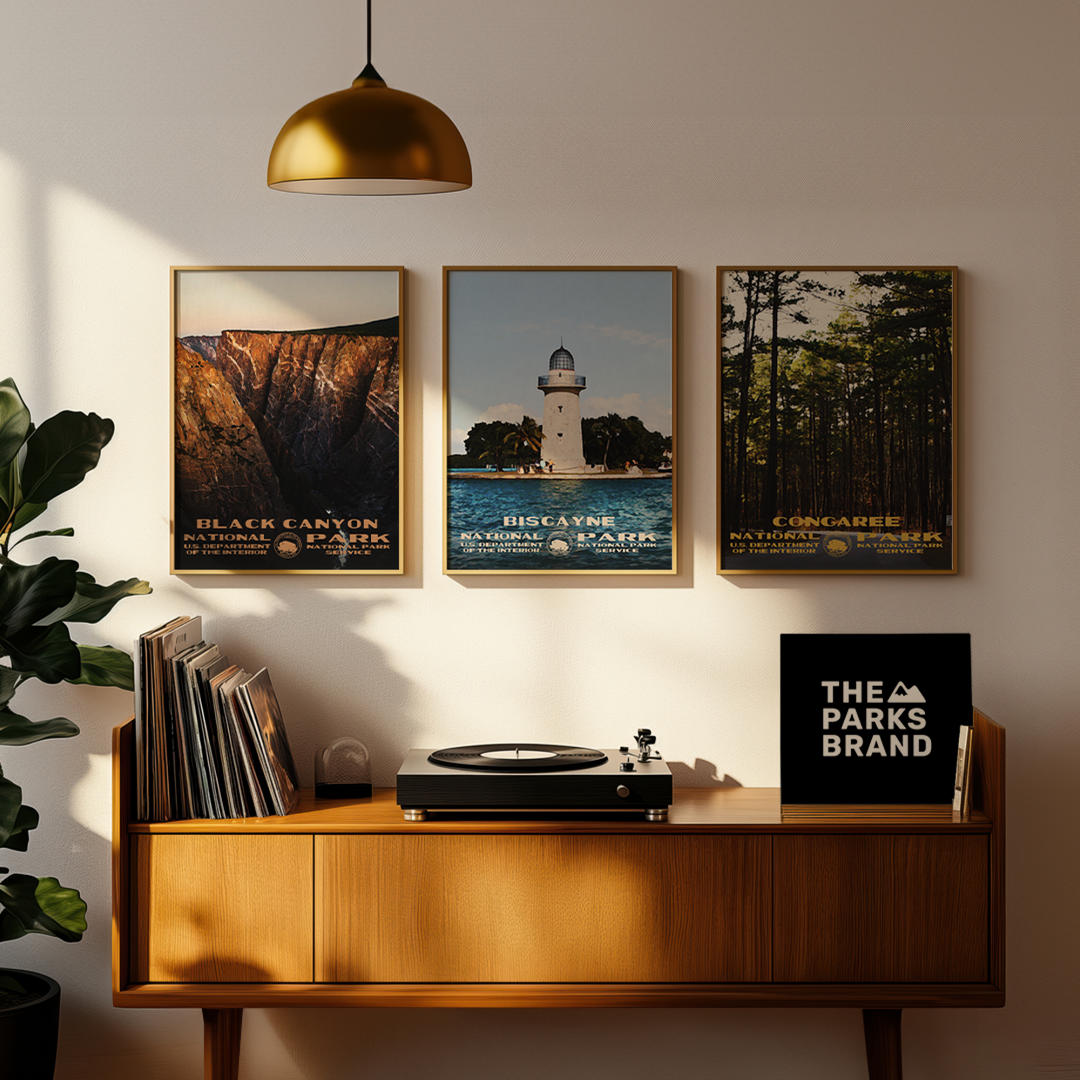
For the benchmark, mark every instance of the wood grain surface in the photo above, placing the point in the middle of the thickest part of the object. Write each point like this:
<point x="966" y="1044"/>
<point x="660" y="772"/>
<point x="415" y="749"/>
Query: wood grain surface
<point x="885" y="907"/>
<point x="462" y="909"/>
<point x="123" y="743"/>
<point x="881" y="1030"/>
<point x="221" y="1043"/>
<point x="988" y="749"/>
<point x="222" y="908"/>
<point x="694" y="810"/>
<point x="880" y="909"/>
<point x="556" y="995"/>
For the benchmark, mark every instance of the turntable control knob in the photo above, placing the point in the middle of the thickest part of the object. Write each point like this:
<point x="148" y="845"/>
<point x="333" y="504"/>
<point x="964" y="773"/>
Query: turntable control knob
<point x="622" y="791"/>
<point x="626" y="766"/>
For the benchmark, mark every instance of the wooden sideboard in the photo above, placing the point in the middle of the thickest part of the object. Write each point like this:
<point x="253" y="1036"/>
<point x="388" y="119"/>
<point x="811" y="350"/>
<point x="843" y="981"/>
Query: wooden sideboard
<point x="733" y="901"/>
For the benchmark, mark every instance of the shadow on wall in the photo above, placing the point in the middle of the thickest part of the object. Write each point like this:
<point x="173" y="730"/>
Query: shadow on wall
<point x="535" y="1044"/>
<point x="345" y="683"/>
<point x="701" y="774"/>
<point x="373" y="704"/>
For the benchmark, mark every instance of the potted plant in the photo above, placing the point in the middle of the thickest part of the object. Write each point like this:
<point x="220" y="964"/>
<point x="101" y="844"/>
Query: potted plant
<point x="37" y="601"/>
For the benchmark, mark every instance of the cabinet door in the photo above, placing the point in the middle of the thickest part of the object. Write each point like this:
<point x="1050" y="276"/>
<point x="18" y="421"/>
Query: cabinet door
<point x="542" y="908"/>
<point x="881" y="909"/>
<point x="216" y="908"/>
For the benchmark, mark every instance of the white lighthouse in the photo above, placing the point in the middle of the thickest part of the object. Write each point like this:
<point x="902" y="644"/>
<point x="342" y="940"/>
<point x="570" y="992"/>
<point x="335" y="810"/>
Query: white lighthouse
<point x="562" y="413"/>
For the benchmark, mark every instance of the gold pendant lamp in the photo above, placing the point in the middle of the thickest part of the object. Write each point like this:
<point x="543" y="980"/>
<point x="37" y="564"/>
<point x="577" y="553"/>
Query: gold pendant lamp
<point x="369" y="140"/>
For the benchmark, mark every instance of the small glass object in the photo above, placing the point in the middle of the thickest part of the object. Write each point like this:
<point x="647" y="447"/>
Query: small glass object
<point x="343" y="770"/>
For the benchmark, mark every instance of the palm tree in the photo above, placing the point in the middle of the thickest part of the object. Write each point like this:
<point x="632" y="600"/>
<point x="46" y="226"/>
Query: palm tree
<point x="524" y="437"/>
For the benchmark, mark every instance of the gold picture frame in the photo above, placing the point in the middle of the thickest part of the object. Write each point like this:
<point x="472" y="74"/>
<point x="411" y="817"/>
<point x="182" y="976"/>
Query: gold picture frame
<point x="548" y="470"/>
<point x="287" y="408"/>
<point x="836" y="420"/>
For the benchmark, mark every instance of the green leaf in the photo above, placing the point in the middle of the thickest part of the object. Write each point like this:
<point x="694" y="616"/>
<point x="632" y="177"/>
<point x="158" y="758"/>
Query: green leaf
<point x="92" y="601"/>
<point x="43" y="906"/>
<point x="103" y="665"/>
<point x="10" y="927"/>
<point x="46" y="652"/>
<point x="26" y="513"/>
<point x="43" y="532"/>
<point x="9" y="683"/>
<point x="14" y="421"/>
<point x="25" y="820"/>
<point x="61" y="452"/>
<point x="16" y="730"/>
<point x="29" y="593"/>
<point x="10" y="490"/>
<point x="10" y="802"/>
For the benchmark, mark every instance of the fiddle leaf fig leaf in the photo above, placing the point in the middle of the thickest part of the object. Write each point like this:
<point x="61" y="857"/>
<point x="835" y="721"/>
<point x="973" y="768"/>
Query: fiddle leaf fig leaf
<point x="10" y="927"/>
<point x="92" y="601"/>
<point x="10" y="802"/>
<point x="14" y="421"/>
<point x="43" y="906"/>
<point x="46" y="652"/>
<point x="9" y="683"/>
<point x="61" y="452"/>
<point x="30" y="593"/>
<point x="27" y="512"/>
<point x="16" y="730"/>
<point x="104" y="665"/>
<point x="25" y="820"/>
<point x="43" y="532"/>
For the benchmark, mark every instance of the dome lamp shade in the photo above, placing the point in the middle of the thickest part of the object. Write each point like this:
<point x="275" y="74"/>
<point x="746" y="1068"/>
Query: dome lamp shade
<point x="369" y="140"/>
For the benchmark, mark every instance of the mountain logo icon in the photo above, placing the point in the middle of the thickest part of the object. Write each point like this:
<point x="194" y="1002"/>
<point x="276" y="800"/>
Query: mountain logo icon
<point x="908" y="695"/>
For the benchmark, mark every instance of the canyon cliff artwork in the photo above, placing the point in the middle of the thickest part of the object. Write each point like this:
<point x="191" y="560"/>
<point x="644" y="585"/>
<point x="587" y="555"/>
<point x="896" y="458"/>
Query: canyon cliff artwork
<point x="286" y="420"/>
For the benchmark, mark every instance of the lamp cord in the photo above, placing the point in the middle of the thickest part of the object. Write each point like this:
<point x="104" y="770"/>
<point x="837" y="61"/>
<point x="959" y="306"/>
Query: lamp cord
<point x="369" y="32"/>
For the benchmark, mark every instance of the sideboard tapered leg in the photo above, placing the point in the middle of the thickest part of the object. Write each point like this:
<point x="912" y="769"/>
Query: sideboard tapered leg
<point x="881" y="1027"/>
<point x="221" y="1043"/>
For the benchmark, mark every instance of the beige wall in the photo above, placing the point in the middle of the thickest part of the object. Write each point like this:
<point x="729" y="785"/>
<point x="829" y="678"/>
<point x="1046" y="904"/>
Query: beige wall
<point x="134" y="135"/>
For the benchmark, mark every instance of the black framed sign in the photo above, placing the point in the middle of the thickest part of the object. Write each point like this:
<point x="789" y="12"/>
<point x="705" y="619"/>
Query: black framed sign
<point x="872" y="718"/>
<point x="836" y="445"/>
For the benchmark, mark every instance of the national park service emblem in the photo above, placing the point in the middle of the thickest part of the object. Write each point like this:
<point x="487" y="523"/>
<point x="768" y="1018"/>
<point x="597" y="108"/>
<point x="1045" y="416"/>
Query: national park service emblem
<point x="287" y="545"/>
<point x="560" y="543"/>
<point x="837" y="546"/>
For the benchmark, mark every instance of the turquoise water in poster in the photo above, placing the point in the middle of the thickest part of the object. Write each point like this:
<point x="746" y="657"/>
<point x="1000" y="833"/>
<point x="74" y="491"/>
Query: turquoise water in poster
<point x="530" y="523"/>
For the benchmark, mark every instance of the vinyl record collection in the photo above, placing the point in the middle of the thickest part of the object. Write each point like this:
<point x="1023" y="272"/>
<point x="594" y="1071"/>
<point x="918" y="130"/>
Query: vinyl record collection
<point x="210" y="741"/>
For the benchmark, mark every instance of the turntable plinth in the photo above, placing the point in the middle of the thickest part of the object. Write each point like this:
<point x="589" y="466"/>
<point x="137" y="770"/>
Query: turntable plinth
<point x="734" y="901"/>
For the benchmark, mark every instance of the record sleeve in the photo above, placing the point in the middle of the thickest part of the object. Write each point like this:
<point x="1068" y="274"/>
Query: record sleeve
<point x="259" y="704"/>
<point x="872" y="718"/>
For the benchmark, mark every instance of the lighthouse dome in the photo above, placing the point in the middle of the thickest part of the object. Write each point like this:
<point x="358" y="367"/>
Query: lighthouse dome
<point x="561" y="360"/>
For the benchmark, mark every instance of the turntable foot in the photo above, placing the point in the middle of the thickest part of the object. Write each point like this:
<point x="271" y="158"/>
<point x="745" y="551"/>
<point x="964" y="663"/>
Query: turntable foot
<point x="415" y="814"/>
<point x="656" y="815"/>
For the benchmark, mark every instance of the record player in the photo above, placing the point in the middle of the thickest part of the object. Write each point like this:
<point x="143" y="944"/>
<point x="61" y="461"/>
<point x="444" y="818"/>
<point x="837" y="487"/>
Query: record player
<point x="536" y="777"/>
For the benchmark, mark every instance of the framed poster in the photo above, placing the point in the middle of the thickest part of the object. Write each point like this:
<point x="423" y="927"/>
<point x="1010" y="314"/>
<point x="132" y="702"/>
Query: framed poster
<point x="872" y="718"/>
<point x="559" y="419"/>
<point x="287" y="454"/>
<point x="837" y="422"/>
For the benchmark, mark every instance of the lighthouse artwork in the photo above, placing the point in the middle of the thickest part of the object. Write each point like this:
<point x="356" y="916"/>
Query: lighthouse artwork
<point x="547" y="472"/>
<point x="562" y="413"/>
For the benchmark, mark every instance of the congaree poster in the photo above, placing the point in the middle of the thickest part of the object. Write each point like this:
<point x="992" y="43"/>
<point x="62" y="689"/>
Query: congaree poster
<point x="559" y="398"/>
<point x="287" y="450"/>
<point x="837" y="422"/>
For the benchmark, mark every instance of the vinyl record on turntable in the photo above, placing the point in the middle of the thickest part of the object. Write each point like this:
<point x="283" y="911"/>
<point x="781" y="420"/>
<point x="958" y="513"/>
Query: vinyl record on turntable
<point x="537" y="777"/>
<point x="518" y="757"/>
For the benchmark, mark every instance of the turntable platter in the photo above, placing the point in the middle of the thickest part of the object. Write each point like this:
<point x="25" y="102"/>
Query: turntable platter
<point x="518" y="757"/>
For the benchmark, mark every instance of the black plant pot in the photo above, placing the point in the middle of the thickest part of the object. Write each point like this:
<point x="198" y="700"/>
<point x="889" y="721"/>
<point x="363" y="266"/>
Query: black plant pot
<point x="28" y="1032"/>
